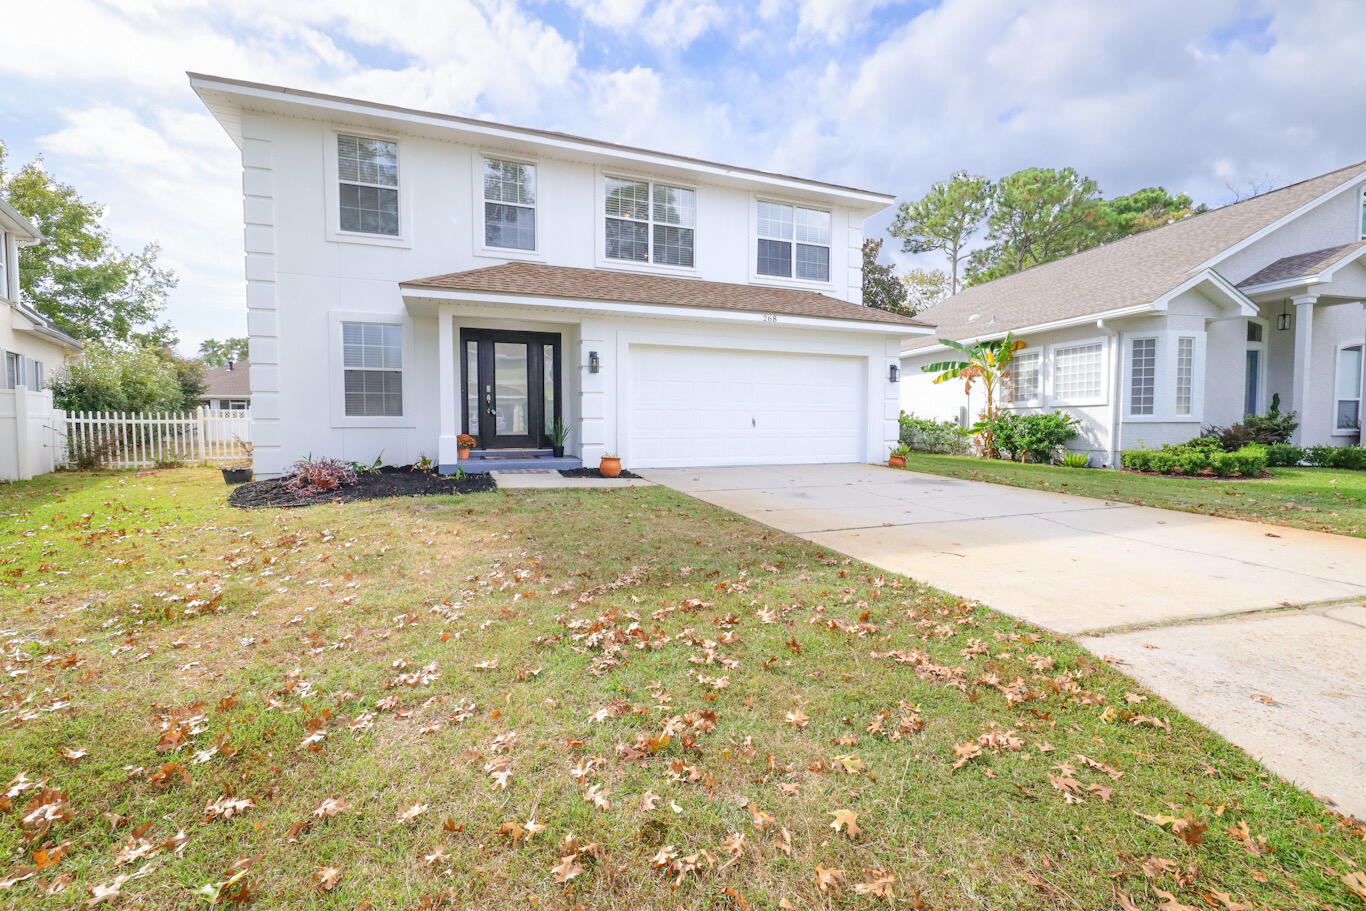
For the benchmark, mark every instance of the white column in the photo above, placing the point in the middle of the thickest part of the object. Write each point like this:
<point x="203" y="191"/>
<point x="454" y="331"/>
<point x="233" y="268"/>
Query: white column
<point x="1303" y="366"/>
<point x="447" y="452"/>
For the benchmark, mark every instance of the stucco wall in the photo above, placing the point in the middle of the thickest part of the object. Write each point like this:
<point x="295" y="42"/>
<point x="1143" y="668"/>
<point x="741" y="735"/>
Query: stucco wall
<point x="1337" y="221"/>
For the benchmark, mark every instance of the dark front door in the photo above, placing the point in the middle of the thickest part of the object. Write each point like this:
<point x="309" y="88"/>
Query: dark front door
<point x="511" y="386"/>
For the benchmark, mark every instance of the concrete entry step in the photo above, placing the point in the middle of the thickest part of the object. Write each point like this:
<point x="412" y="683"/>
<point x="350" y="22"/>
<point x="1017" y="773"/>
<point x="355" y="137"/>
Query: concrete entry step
<point x="482" y="464"/>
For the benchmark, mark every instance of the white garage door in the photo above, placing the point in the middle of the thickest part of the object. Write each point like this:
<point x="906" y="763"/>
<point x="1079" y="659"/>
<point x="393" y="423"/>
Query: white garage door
<point x="708" y="406"/>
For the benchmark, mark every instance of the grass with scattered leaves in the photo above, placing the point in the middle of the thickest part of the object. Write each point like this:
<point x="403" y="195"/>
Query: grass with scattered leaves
<point x="559" y="699"/>
<point x="1319" y="499"/>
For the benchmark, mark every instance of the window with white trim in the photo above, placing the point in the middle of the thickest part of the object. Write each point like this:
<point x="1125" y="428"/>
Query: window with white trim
<point x="650" y="222"/>
<point x="509" y="204"/>
<point x="4" y="263"/>
<point x="367" y="181"/>
<point x="372" y="364"/>
<point x="1024" y="374"/>
<point x="1363" y="213"/>
<point x="13" y="369"/>
<point x="793" y="242"/>
<point x="35" y="375"/>
<point x="1348" y="391"/>
<point x="1142" y="375"/>
<point x="1185" y="373"/>
<point x="1077" y="372"/>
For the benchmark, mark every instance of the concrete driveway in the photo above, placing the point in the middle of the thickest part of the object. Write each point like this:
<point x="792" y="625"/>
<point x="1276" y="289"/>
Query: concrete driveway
<point x="1255" y="630"/>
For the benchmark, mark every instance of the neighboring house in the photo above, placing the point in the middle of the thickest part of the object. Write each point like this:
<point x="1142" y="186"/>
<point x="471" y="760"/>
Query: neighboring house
<point x="413" y="276"/>
<point x="228" y="388"/>
<point x="31" y="347"/>
<point x="1150" y="338"/>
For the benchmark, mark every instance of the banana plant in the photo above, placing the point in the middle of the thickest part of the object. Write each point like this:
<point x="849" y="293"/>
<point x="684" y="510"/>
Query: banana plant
<point x="986" y="361"/>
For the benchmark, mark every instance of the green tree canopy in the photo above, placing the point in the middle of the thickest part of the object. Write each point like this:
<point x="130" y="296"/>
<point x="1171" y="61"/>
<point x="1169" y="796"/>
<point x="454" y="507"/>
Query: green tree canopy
<point x="1037" y="215"/>
<point x="945" y="219"/>
<point x="136" y="377"/>
<point x="77" y="277"/>
<point x="881" y="288"/>
<point x="925" y="288"/>
<point x="216" y="353"/>
<point x="1143" y="210"/>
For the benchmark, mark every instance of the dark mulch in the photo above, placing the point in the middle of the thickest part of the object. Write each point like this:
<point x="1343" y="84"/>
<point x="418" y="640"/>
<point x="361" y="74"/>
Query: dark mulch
<point x="387" y="482"/>
<point x="593" y="473"/>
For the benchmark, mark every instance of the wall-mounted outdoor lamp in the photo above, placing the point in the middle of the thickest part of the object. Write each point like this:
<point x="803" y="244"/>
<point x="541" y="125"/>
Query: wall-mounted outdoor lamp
<point x="593" y="363"/>
<point x="1283" y="320"/>
<point x="894" y="374"/>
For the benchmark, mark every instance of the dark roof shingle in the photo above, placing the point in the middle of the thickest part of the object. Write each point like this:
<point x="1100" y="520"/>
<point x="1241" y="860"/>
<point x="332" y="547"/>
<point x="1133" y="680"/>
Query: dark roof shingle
<point x="1301" y="265"/>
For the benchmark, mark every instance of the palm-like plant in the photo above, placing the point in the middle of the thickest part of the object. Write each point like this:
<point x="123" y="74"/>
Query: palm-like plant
<point x="985" y="361"/>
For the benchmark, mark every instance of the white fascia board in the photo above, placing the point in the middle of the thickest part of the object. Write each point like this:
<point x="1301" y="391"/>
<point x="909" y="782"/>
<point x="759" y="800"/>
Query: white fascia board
<point x="13" y="221"/>
<point x="477" y="132"/>
<point x="1327" y="274"/>
<point x="1036" y="328"/>
<point x="1307" y="281"/>
<point x="1237" y="298"/>
<point x="1282" y="221"/>
<point x="661" y="311"/>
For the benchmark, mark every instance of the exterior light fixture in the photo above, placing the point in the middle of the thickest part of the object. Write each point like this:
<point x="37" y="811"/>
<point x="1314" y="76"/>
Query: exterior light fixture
<point x="894" y="374"/>
<point x="1283" y="320"/>
<point x="593" y="364"/>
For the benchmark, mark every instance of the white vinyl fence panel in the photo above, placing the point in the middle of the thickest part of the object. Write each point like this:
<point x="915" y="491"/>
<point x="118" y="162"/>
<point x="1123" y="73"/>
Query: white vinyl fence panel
<point x="145" y="439"/>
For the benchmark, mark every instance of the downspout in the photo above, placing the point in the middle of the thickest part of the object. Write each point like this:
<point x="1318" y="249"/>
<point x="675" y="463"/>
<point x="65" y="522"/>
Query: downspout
<point x="1115" y="378"/>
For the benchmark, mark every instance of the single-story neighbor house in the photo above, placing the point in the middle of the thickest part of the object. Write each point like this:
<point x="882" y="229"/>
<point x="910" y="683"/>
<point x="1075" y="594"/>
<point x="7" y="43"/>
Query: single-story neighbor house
<point x="415" y="276"/>
<point x="31" y="346"/>
<point x="1197" y="323"/>
<point x="228" y="388"/>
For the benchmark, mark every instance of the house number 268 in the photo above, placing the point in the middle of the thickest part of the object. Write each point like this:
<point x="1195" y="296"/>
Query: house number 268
<point x="770" y="318"/>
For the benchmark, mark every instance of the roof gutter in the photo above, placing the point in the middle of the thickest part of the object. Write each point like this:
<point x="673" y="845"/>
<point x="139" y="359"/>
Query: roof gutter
<point x="1037" y="327"/>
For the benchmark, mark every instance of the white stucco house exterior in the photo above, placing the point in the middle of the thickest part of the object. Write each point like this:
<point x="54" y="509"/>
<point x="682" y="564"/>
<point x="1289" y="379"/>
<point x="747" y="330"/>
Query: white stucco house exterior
<point x="412" y="276"/>
<point x="31" y="347"/>
<point x="1150" y="338"/>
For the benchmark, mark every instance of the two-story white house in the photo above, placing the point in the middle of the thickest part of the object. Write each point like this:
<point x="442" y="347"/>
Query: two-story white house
<point x="31" y="347"/>
<point x="414" y="276"/>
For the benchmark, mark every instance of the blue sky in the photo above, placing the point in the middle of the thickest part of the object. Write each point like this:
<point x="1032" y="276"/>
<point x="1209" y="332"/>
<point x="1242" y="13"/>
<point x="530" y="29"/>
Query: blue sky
<point x="1202" y="97"/>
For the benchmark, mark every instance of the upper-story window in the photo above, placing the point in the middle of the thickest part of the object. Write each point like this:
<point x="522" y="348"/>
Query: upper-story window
<point x="35" y="375"/>
<point x="4" y="264"/>
<point x="793" y="242"/>
<point x="650" y="222"/>
<point x="13" y="369"/>
<point x="1363" y="213"/>
<point x="509" y="204"/>
<point x="367" y="174"/>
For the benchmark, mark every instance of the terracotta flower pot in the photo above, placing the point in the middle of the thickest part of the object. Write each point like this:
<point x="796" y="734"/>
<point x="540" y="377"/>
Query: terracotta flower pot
<point x="610" y="466"/>
<point x="896" y="461"/>
<point x="464" y="454"/>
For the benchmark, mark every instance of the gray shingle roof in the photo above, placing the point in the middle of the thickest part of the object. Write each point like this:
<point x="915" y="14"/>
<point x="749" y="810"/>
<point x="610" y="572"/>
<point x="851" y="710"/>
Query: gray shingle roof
<point x="228" y="383"/>
<point x="1301" y="265"/>
<point x="1129" y="272"/>
<point x="622" y="287"/>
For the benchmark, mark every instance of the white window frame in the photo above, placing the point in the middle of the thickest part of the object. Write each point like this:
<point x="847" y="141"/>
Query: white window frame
<point x="1037" y="400"/>
<point x="337" y="371"/>
<point x="4" y="266"/>
<point x="1176" y="376"/>
<point x="1263" y="347"/>
<point x="752" y="252"/>
<point x="600" y="202"/>
<point x="332" y="193"/>
<point x="1361" y="377"/>
<point x="1129" y="366"/>
<point x="1051" y="375"/>
<point x="36" y="377"/>
<point x="1361" y="214"/>
<point x="13" y="377"/>
<point x="537" y="254"/>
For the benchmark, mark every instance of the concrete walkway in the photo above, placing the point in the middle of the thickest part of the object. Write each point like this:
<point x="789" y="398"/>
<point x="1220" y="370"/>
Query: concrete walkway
<point x="1205" y="611"/>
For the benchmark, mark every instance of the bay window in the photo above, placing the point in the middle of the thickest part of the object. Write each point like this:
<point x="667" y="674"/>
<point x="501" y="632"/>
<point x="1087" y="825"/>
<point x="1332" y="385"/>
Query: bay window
<point x="794" y="242"/>
<point x="1142" y="375"/>
<point x="650" y="222"/>
<point x="1185" y="374"/>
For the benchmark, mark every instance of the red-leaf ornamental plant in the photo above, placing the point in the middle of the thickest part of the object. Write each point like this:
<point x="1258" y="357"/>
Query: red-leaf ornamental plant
<point x="986" y="361"/>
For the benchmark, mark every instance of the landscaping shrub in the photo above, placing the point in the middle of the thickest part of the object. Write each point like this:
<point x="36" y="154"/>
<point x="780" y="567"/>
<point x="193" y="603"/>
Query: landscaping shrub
<point x="1031" y="437"/>
<point x="1198" y="458"/>
<point x="1268" y="429"/>
<point x="1076" y="460"/>
<point x="1351" y="457"/>
<point x="1281" y="455"/>
<point x="925" y="435"/>
<point x="310" y="477"/>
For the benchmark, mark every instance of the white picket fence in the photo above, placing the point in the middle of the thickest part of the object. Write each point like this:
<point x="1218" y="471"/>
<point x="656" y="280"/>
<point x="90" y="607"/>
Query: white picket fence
<point x="143" y="439"/>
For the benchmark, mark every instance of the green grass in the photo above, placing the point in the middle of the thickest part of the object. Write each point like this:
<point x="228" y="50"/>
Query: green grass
<point x="1321" y="499"/>
<point x="615" y="618"/>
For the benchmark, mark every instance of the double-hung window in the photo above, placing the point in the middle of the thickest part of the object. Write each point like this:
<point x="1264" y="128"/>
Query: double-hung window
<point x="509" y="204"/>
<point x="1348" y="391"/>
<point x="1185" y="373"/>
<point x="372" y="361"/>
<point x="14" y="373"/>
<point x="1077" y="373"/>
<point x="1024" y="372"/>
<point x="793" y="242"/>
<point x="367" y="176"/>
<point x="1142" y="375"/>
<point x="650" y="222"/>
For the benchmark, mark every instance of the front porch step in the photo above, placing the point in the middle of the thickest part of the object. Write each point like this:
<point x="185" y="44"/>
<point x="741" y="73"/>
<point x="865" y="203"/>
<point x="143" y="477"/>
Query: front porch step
<point x="509" y="453"/>
<point x="482" y="465"/>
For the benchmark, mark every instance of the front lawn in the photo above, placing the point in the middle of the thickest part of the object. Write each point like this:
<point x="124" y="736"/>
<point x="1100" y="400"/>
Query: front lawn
<point x="565" y="699"/>
<point x="1321" y="499"/>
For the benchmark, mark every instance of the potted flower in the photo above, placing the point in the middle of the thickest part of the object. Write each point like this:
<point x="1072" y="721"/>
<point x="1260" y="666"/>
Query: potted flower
<point x="558" y="433"/>
<point x="898" y="457"/>
<point x="239" y="472"/>
<point x="610" y="466"/>
<point x="465" y="443"/>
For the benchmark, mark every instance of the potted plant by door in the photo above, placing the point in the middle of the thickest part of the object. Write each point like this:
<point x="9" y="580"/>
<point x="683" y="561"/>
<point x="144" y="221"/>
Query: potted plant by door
<point x="610" y="466"/>
<point x="558" y="433"/>
<point x="465" y="443"/>
<point x="239" y="472"/>
<point x="898" y="457"/>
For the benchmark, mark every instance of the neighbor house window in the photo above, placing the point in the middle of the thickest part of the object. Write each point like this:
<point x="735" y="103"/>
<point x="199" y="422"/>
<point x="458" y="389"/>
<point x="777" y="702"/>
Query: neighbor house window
<point x="1349" y="388"/>
<point x="1025" y="376"/>
<point x="509" y="204"/>
<point x="793" y="242"/>
<point x="372" y="360"/>
<point x="35" y="375"/>
<point x="1185" y="373"/>
<point x="1142" y="375"/>
<point x="4" y="263"/>
<point x="367" y="175"/>
<point x="1077" y="372"/>
<point x="13" y="370"/>
<point x="650" y="222"/>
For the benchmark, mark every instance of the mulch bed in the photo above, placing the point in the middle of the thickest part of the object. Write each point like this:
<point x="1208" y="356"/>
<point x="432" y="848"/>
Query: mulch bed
<point x="593" y="473"/>
<point x="387" y="482"/>
<point x="1203" y="476"/>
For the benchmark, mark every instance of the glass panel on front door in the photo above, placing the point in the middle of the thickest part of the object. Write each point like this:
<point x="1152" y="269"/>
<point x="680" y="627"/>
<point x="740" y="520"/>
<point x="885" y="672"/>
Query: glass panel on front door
<point x="513" y="389"/>
<point x="1254" y="379"/>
